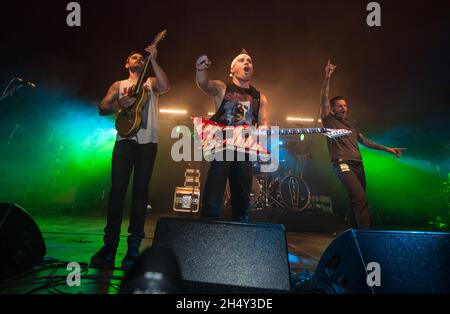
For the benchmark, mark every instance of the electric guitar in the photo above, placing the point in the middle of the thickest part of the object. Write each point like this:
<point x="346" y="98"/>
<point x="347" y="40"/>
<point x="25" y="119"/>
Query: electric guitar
<point x="129" y="120"/>
<point x="215" y="137"/>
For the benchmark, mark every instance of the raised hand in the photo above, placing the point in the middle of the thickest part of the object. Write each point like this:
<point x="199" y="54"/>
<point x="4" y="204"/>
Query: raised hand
<point x="329" y="69"/>
<point x="152" y="51"/>
<point x="203" y="63"/>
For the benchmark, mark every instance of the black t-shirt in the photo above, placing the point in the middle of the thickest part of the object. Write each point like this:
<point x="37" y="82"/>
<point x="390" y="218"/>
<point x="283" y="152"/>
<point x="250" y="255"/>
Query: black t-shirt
<point x="342" y="148"/>
<point x="239" y="106"/>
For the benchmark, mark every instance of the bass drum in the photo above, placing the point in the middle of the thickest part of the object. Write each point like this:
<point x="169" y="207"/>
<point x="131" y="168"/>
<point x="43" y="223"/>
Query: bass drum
<point x="295" y="193"/>
<point x="254" y="194"/>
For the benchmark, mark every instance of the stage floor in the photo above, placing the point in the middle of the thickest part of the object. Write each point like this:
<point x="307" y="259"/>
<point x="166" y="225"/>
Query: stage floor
<point x="76" y="237"/>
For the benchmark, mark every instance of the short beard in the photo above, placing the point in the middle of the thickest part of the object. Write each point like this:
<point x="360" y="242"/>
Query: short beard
<point x="136" y="69"/>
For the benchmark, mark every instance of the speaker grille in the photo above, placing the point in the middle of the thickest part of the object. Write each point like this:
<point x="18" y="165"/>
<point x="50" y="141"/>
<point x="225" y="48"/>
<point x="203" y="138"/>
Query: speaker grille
<point x="225" y="253"/>
<point x="21" y="241"/>
<point x="409" y="261"/>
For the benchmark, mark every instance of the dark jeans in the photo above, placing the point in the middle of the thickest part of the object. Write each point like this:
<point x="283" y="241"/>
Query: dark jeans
<point x="240" y="175"/>
<point x="129" y="156"/>
<point x="351" y="174"/>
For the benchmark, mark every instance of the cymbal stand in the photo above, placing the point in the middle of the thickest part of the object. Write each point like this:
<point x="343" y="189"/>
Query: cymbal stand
<point x="269" y="199"/>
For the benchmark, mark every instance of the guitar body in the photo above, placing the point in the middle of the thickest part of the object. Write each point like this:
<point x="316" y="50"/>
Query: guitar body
<point x="215" y="137"/>
<point x="129" y="120"/>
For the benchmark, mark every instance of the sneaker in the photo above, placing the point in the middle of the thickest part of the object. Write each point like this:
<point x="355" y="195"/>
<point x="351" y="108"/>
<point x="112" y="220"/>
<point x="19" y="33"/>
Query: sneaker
<point x="130" y="258"/>
<point x="104" y="258"/>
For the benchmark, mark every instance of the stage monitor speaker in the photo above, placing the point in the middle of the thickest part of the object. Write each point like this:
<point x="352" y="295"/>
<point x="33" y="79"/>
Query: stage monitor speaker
<point x="21" y="243"/>
<point x="374" y="262"/>
<point x="227" y="257"/>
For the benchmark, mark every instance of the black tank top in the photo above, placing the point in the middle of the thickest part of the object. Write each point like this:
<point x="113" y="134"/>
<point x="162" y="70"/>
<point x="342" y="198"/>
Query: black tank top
<point x="239" y="106"/>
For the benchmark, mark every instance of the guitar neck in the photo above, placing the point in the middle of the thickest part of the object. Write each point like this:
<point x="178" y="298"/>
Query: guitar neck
<point x="142" y="77"/>
<point x="296" y="131"/>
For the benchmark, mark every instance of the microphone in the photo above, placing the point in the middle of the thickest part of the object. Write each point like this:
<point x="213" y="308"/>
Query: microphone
<point x="30" y="84"/>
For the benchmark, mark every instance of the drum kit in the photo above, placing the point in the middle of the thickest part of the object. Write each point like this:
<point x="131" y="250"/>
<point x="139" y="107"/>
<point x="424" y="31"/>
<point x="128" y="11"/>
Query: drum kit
<point x="283" y="189"/>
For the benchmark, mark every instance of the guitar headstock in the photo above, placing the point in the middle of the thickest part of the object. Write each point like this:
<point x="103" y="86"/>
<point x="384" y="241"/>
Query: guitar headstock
<point x="161" y="35"/>
<point x="337" y="133"/>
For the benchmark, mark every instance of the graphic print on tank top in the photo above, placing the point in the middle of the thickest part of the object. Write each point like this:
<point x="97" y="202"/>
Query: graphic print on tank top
<point x="239" y="106"/>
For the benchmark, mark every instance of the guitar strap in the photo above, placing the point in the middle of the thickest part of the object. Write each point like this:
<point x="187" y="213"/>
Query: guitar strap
<point x="256" y="101"/>
<point x="144" y="113"/>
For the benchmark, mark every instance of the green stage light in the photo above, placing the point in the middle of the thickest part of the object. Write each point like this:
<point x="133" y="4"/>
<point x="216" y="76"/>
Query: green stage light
<point x="60" y="154"/>
<point x="399" y="188"/>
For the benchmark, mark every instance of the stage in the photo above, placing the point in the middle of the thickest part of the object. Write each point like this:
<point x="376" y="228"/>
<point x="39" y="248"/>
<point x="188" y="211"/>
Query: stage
<point x="75" y="238"/>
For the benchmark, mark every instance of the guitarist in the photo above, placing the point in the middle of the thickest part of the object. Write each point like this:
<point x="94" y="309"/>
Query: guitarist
<point x="237" y="103"/>
<point x="136" y="153"/>
<point x="345" y="155"/>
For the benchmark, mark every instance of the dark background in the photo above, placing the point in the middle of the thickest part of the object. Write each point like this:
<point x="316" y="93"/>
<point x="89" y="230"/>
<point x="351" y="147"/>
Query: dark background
<point x="393" y="73"/>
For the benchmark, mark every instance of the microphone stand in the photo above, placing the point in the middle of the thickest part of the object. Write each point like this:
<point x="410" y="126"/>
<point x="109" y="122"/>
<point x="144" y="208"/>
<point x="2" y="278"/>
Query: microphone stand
<point x="9" y="92"/>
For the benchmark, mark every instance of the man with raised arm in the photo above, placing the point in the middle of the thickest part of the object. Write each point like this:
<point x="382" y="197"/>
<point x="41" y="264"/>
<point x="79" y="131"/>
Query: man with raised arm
<point x="237" y="103"/>
<point x="345" y="155"/>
